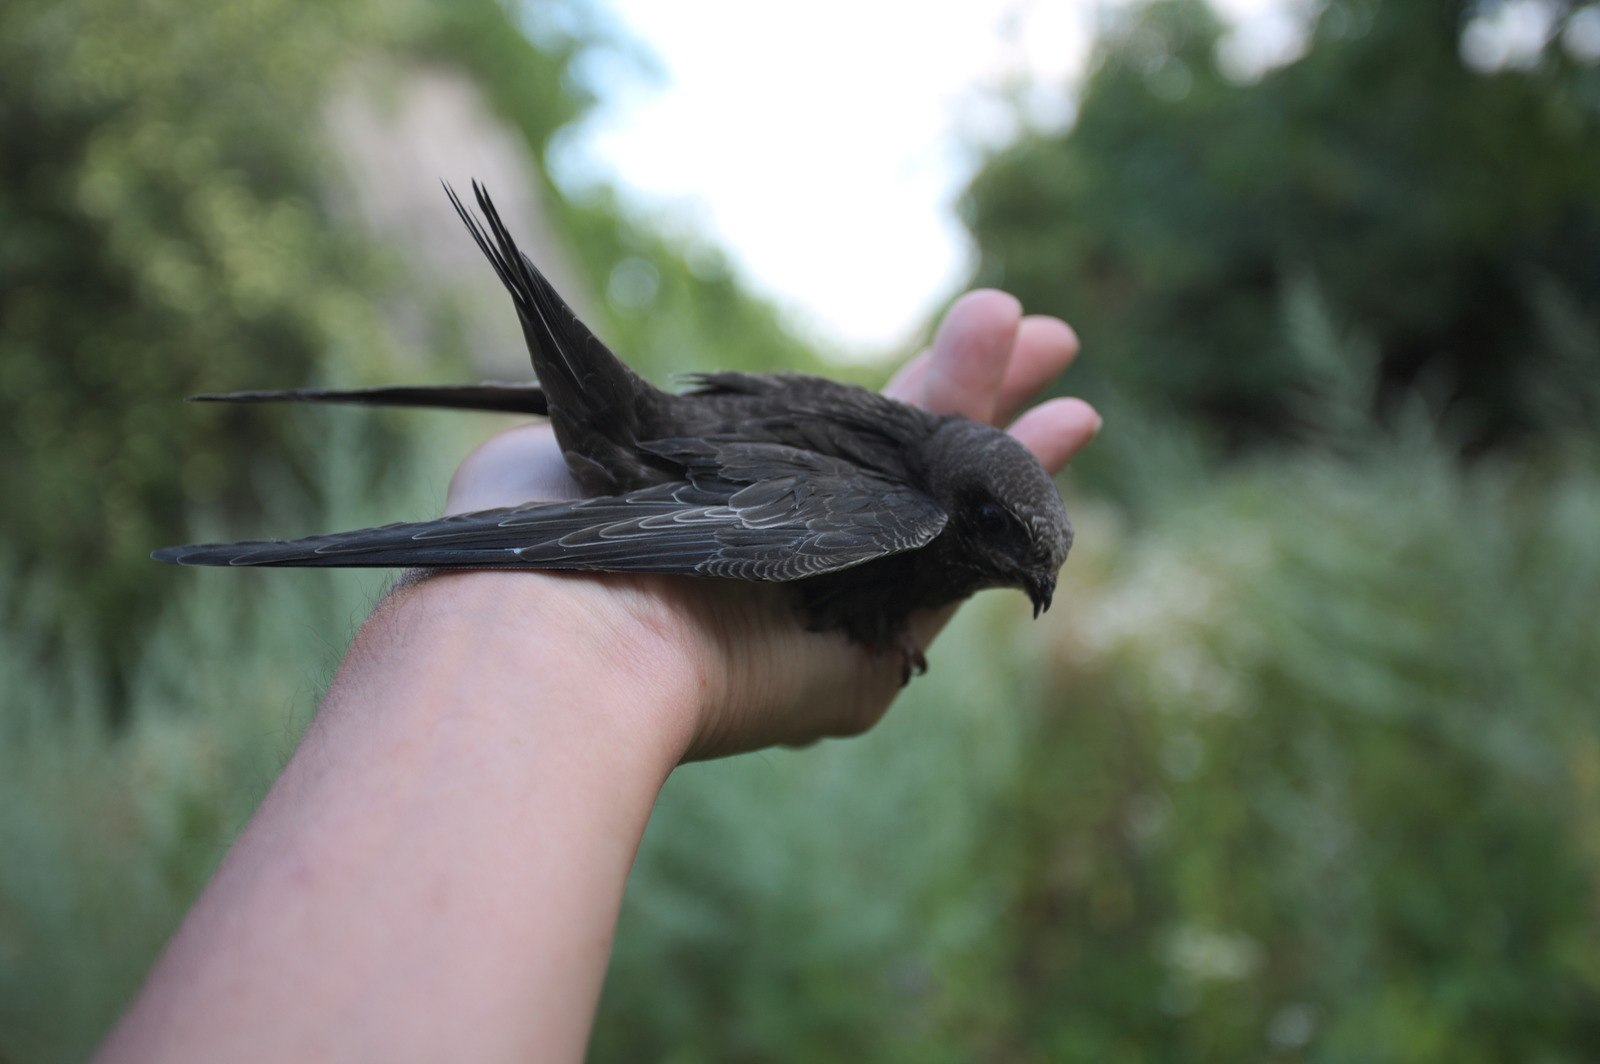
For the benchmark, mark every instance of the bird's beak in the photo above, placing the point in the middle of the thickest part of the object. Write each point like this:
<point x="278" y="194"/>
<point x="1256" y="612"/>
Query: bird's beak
<point x="1041" y="590"/>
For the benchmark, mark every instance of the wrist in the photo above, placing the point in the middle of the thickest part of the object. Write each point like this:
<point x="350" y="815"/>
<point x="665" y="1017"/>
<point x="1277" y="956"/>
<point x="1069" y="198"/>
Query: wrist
<point x="612" y="650"/>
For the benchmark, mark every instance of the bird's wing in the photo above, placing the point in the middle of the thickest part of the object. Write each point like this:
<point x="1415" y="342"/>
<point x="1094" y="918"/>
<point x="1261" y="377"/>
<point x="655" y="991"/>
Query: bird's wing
<point x="748" y="511"/>
<point x="501" y="396"/>
<point x="597" y="404"/>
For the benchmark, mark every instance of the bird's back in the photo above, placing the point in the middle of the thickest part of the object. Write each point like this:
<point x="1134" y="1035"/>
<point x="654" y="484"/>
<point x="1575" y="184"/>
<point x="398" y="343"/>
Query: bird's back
<point x="809" y="413"/>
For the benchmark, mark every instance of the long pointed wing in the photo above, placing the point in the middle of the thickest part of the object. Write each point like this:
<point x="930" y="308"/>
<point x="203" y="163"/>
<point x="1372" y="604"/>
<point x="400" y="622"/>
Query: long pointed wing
<point x="498" y="396"/>
<point x="765" y="516"/>
<point x="596" y="401"/>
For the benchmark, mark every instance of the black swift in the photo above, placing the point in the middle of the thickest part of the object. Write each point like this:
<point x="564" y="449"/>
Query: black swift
<point x="868" y="507"/>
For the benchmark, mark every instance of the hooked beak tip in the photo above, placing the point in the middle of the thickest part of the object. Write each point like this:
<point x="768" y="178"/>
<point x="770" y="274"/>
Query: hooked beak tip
<point x="1041" y="592"/>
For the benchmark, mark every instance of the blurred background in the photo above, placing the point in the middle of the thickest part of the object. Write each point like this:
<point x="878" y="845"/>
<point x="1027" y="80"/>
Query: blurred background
<point x="1305" y="765"/>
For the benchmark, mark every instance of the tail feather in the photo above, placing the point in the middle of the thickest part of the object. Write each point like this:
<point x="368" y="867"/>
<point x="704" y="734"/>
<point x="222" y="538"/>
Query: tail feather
<point x="497" y="396"/>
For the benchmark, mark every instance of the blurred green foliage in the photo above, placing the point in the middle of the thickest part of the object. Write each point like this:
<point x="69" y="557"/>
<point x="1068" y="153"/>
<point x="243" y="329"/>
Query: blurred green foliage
<point x="164" y="235"/>
<point x="1429" y="201"/>
<point x="1305" y="765"/>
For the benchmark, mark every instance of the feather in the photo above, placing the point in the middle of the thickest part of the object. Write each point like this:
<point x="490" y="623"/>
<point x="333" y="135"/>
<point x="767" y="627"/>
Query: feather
<point x="498" y="396"/>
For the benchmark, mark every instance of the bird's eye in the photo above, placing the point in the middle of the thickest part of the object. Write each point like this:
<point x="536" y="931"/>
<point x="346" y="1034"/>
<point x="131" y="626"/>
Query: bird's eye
<point x="990" y="518"/>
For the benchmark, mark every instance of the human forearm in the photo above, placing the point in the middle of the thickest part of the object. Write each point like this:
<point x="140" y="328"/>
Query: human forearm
<point x="437" y="873"/>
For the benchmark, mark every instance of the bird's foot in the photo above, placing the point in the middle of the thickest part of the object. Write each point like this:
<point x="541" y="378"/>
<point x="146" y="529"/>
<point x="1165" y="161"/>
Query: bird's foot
<point x="912" y="661"/>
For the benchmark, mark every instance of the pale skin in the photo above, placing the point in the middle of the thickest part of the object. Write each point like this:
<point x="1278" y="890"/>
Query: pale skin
<point x="436" y="875"/>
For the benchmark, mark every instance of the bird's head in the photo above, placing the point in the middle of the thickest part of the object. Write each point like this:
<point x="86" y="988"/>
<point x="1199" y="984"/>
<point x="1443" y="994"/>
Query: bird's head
<point x="1010" y="525"/>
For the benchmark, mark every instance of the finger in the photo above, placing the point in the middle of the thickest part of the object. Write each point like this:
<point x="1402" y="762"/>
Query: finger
<point x="970" y="355"/>
<point x="875" y="682"/>
<point x="522" y="465"/>
<point x="906" y="385"/>
<point x="925" y="625"/>
<point x="1045" y="346"/>
<point x="1057" y="430"/>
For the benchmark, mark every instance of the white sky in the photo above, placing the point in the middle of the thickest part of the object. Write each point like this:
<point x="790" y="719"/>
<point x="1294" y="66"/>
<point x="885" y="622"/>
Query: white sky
<point x="824" y="148"/>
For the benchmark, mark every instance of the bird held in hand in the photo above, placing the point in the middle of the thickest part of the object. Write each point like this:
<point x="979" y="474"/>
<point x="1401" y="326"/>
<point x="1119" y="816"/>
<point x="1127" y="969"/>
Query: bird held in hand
<point x="868" y="507"/>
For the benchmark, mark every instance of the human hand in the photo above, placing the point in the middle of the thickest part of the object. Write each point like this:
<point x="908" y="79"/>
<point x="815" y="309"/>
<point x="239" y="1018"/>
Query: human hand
<point x="759" y="677"/>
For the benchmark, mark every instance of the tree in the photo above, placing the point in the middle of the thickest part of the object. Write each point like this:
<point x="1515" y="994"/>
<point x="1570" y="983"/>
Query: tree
<point x="1431" y="203"/>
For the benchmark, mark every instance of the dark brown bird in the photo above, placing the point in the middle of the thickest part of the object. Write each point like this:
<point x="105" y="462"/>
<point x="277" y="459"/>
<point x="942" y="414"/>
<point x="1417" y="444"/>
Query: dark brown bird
<point x="870" y="508"/>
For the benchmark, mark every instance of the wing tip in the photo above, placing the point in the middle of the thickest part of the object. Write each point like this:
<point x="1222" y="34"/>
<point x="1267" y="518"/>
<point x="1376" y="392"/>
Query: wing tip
<point x="211" y="554"/>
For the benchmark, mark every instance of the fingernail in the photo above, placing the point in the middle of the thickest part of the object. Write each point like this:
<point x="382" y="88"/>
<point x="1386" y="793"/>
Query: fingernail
<point x="1099" y="423"/>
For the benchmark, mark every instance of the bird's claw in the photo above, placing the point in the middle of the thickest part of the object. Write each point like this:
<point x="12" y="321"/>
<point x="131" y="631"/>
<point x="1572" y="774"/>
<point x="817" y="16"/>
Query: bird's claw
<point x="912" y="661"/>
